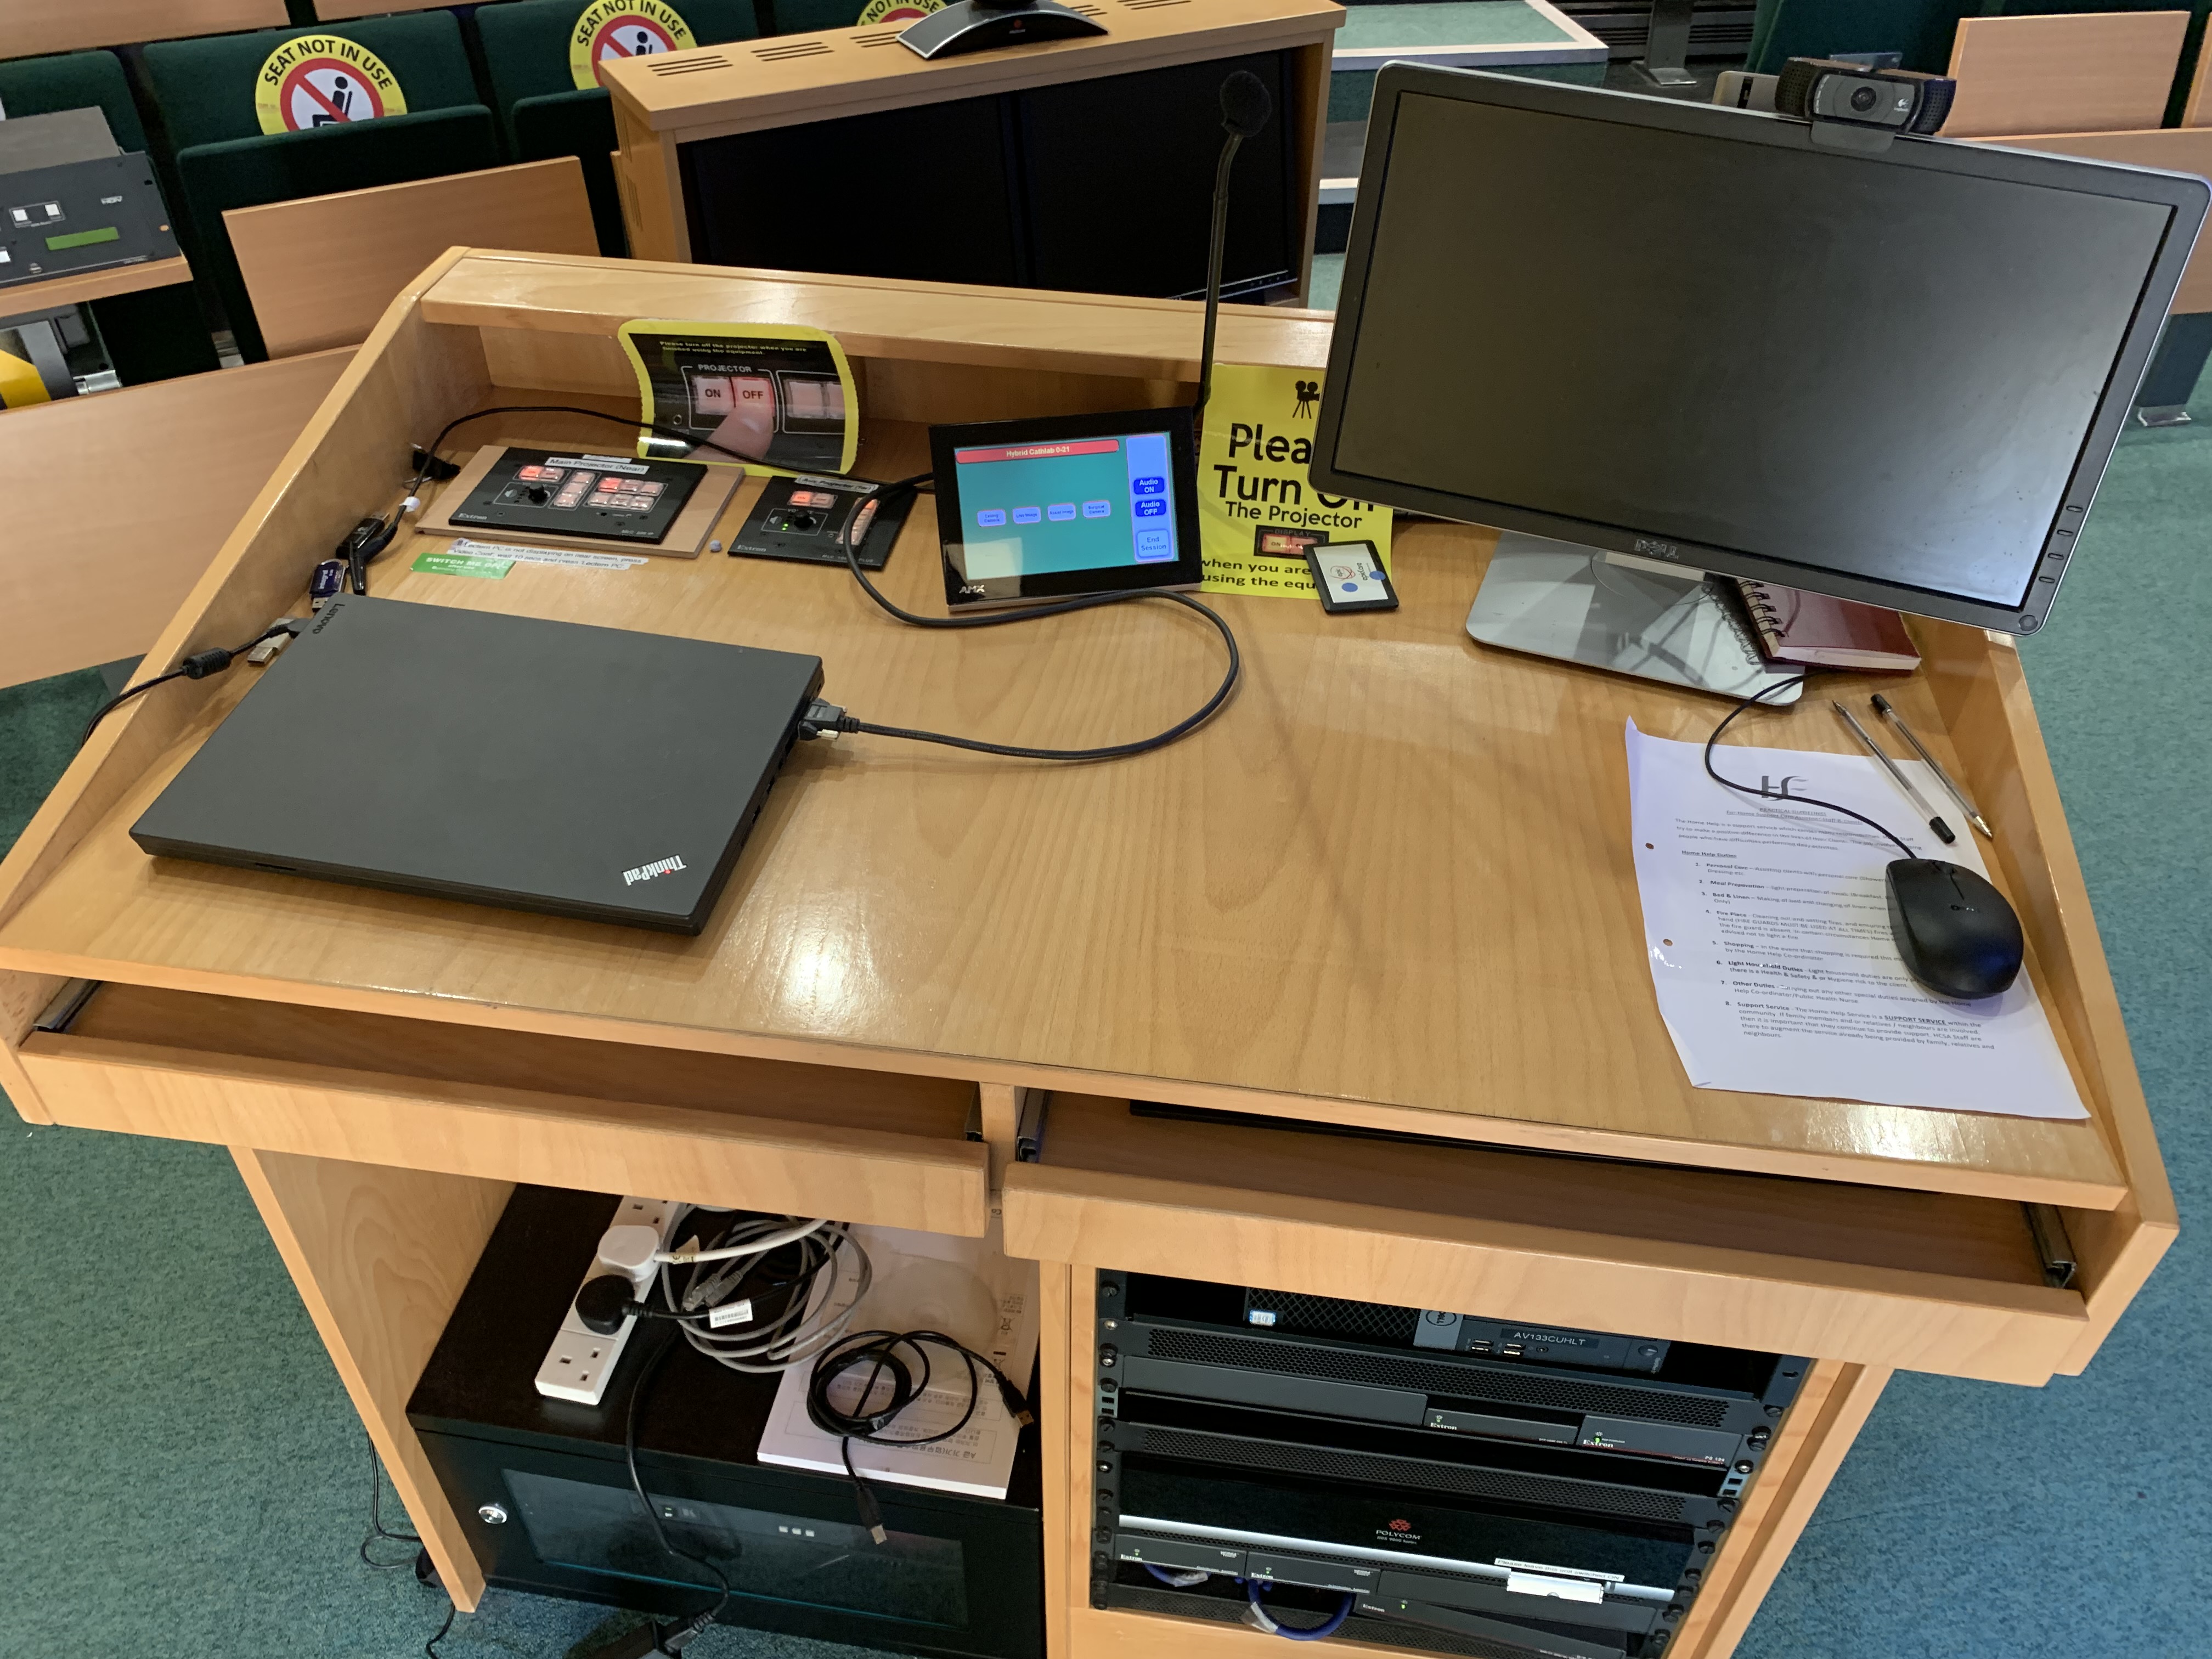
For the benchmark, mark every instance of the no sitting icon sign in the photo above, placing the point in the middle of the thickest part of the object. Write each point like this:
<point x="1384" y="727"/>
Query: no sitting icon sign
<point x="321" y="79"/>
<point x="609" y="30"/>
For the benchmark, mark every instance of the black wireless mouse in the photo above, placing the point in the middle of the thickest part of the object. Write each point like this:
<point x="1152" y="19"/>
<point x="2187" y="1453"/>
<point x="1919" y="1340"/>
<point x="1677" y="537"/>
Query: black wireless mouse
<point x="1957" y="933"/>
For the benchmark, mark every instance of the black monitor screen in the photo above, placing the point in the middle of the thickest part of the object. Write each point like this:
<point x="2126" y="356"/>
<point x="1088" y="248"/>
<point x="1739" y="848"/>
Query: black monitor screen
<point x="1883" y="367"/>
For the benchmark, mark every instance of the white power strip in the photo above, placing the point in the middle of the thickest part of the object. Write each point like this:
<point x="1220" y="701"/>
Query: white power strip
<point x="580" y="1360"/>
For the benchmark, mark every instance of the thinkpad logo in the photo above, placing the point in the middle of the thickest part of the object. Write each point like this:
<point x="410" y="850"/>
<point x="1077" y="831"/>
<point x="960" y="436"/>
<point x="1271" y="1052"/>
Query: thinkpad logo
<point x="647" y="871"/>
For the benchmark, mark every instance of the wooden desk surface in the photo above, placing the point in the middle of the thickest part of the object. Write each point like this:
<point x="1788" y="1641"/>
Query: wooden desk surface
<point x="79" y="287"/>
<point x="27" y="31"/>
<point x="747" y="84"/>
<point x="118" y="501"/>
<point x="1391" y="883"/>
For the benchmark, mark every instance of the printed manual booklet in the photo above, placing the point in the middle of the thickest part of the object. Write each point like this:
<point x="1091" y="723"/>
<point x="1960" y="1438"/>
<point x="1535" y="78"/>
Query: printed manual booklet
<point x="964" y="1287"/>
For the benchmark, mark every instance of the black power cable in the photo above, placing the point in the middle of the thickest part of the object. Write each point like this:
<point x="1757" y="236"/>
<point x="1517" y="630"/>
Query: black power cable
<point x="1804" y="800"/>
<point x="427" y="462"/>
<point x="378" y="1532"/>
<point x="430" y="1647"/>
<point x="843" y="722"/>
<point x="677" y="1640"/>
<point x="884" y="1352"/>
<point x="884" y="495"/>
<point x="198" y="666"/>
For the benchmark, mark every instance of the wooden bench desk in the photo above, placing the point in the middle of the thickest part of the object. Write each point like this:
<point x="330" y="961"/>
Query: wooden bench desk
<point x="1389" y="886"/>
<point x="118" y="500"/>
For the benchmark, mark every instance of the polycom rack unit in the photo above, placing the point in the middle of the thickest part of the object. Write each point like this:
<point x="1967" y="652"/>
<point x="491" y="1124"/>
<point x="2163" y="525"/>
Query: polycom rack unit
<point x="1329" y="1466"/>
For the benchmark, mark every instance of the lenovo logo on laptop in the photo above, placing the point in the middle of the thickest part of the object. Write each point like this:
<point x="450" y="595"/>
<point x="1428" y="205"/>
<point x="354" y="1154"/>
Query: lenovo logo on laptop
<point x="647" y="871"/>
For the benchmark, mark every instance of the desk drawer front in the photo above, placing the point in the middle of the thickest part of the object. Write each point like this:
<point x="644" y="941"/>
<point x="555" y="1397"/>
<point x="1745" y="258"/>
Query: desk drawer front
<point x="793" y="1139"/>
<point x="1923" y="1281"/>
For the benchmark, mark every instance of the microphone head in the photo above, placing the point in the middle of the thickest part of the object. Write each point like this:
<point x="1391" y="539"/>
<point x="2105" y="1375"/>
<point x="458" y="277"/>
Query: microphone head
<point x="1245" y="104"/>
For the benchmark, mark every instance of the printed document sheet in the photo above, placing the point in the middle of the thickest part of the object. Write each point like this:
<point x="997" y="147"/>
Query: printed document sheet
<point x="964" y="1287"/>
<point x="1767" y="927"/>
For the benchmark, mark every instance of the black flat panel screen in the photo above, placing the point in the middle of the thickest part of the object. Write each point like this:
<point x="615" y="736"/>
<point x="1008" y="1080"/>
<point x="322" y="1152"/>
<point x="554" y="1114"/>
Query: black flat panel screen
<point x="1119" y="179"/>
<point x="924" y="194"/>
<point x="1895" y="376"/>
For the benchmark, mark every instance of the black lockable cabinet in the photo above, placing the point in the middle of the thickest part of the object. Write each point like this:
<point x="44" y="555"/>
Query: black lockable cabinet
<point x="1102" y="187"/>
<point x="959" y="1578"/>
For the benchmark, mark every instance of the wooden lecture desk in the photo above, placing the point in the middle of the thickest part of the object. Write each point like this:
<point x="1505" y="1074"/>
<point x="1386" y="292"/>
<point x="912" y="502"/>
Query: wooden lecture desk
<point x="96" y="567"/>
<point x="1389" y="886"/>
<point x="665" y="102"/>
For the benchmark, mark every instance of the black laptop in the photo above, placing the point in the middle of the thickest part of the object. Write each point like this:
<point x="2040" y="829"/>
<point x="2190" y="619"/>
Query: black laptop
<point x="547" y="765"/>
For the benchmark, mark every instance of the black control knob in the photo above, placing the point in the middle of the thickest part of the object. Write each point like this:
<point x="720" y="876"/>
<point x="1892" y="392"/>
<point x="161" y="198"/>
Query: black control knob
<point x="538" y="494"/>
<point x="804" y="523"/>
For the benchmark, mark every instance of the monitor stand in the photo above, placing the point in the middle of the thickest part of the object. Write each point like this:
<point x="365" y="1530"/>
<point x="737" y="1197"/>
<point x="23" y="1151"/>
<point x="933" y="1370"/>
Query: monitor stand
<point x="1615" y="611"/>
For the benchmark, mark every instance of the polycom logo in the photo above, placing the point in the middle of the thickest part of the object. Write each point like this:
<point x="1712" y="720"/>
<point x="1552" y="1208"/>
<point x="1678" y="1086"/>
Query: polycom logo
<point x="1402" y="1526"/>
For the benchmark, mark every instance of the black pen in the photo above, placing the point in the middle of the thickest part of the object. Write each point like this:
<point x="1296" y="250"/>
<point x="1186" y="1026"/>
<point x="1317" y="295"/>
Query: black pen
<point x="1943" y="831"/>
<point x="1881" y="706"/>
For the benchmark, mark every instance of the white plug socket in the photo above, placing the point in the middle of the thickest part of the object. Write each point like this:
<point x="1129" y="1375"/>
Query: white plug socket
<point x="580" y="1360"/>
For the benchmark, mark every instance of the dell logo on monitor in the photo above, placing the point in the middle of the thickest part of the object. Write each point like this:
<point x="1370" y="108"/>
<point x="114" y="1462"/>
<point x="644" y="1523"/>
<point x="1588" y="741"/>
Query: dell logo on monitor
<point x="1657" y="549"/>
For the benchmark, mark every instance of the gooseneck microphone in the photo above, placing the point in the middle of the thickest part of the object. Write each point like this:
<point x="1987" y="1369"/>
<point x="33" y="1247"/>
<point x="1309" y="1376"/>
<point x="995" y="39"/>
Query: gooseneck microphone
<point x="1245" y="108"/>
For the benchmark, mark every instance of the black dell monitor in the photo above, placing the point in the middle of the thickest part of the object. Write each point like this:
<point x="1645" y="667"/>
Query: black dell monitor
<point x="1657" y="342"/>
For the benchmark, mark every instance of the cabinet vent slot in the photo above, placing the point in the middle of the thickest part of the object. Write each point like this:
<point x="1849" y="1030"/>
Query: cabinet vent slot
<point x="689" y="63"/>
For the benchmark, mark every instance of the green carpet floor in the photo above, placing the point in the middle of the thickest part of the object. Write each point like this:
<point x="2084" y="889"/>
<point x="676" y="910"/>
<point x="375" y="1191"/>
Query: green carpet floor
<point x="181" y="1475"/>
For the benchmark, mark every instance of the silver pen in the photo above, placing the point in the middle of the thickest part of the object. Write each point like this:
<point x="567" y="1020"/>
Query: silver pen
<point x="1943" y="831"/>
<point x="1881" y="706"/>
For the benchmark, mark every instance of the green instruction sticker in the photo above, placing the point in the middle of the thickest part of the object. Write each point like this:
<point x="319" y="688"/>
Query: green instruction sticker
<point x="462" y="564"/>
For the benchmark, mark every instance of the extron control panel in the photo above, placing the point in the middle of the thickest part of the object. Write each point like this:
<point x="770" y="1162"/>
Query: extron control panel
<point x="70" y="201"/>
<point x="68" y="216"/>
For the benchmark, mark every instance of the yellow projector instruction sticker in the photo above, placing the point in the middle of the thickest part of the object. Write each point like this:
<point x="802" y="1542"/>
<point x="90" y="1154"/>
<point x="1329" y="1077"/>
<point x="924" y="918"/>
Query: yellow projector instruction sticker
<point x="1257" y="510"/>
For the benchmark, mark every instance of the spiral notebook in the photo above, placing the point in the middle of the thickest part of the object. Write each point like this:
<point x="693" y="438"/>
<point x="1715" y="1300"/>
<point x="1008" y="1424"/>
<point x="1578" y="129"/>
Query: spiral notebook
<point x="1796" y="626"/>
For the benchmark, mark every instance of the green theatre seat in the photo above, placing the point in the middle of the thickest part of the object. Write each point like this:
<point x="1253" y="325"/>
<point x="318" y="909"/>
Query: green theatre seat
<point x="805" y="16"/>
<point x="158" y="333"/>
<point x="253" y="172"/>
<point x="525" y="47"/>
<point x="205" y="91"/>
<point x="581" y="124"/>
